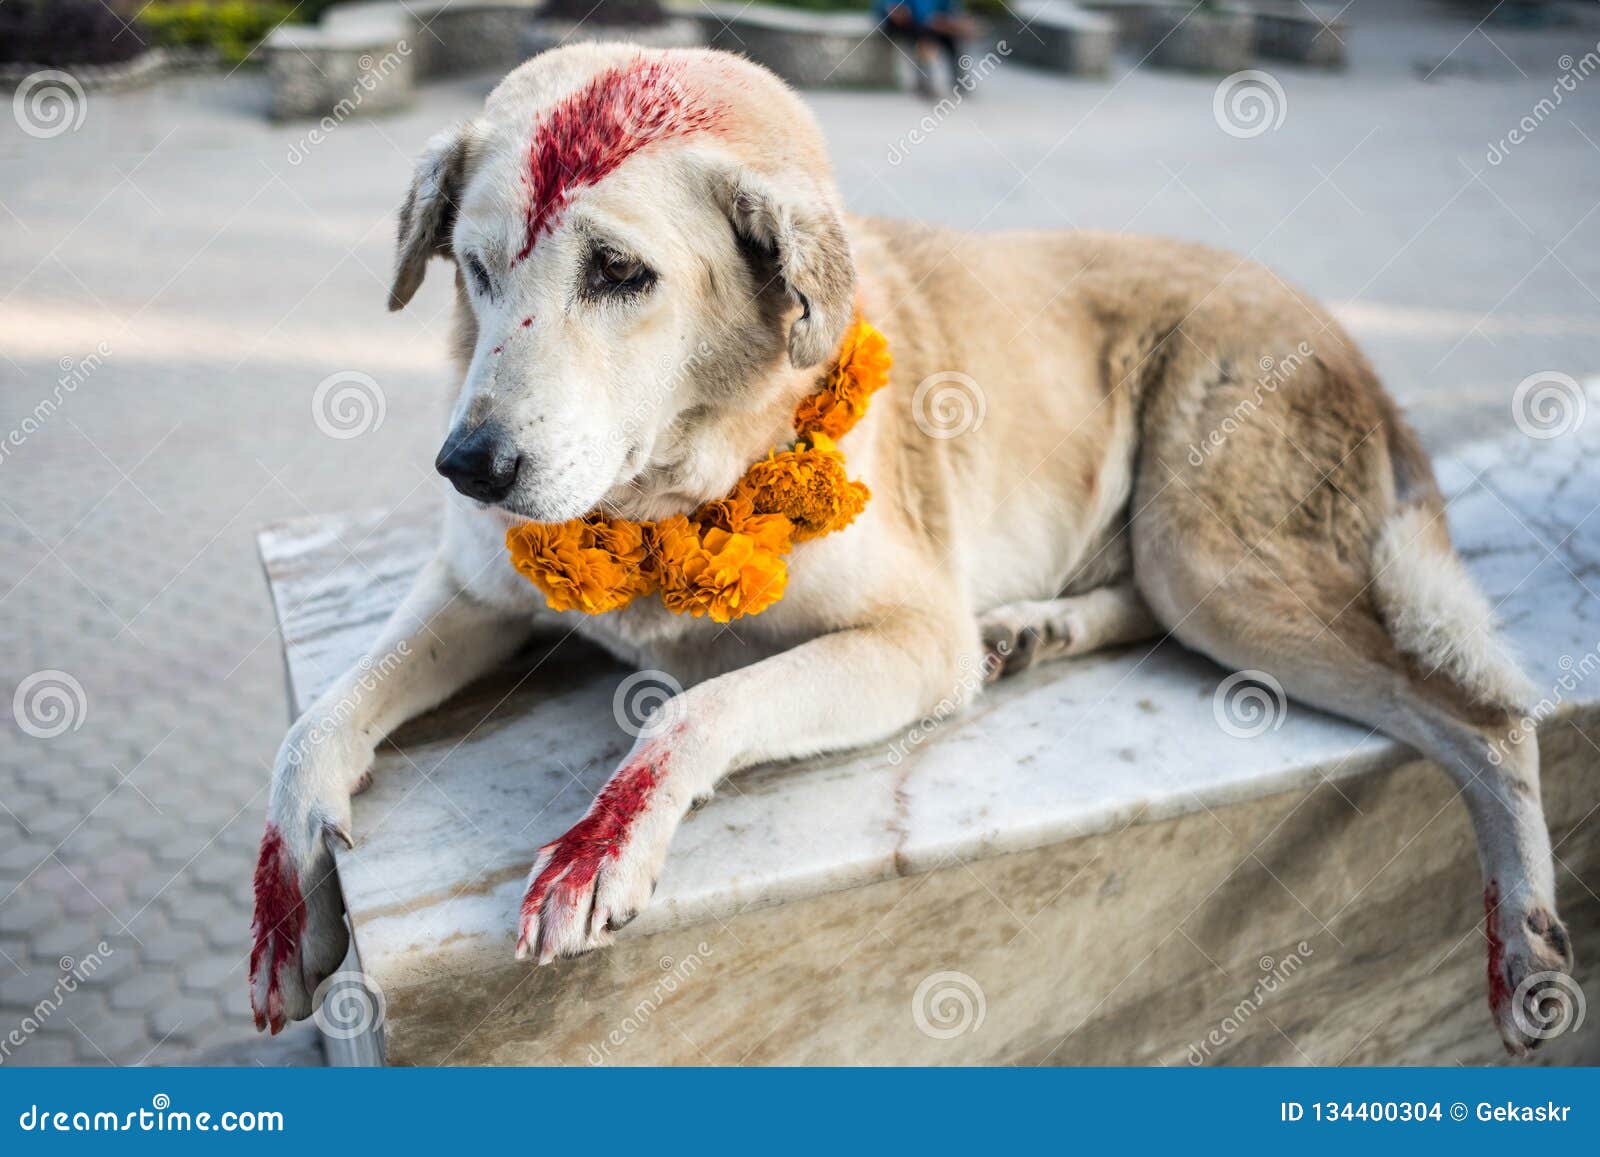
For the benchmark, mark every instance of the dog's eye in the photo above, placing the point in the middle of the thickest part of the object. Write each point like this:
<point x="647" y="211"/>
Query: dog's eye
<point x="479" y="275"/>
<point x="614" y="273"/>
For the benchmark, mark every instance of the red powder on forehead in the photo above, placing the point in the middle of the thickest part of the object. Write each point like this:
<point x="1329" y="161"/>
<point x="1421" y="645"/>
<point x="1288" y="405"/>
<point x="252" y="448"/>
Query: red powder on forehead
<point x="588" y="134"/>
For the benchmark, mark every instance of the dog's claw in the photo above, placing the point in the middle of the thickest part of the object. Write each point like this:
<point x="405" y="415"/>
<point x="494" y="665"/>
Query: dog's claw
<point x="341" y="833"/>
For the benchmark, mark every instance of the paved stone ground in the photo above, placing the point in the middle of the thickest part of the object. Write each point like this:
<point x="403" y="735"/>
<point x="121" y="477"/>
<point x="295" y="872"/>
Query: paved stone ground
<point x="226" y="281"/>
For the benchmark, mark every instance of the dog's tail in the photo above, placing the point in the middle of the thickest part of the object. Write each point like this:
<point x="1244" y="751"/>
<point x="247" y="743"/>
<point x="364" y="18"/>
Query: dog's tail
<point x="1434" y="611"/>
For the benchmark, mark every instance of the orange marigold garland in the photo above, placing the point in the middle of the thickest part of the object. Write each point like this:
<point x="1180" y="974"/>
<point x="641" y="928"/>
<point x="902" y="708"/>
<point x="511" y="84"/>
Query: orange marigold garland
<point x="727" y="560"/>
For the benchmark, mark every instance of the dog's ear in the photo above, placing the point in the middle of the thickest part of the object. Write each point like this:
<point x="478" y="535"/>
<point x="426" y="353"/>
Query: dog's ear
<point x="802" y="231"/>
<point x="429" y="212"/>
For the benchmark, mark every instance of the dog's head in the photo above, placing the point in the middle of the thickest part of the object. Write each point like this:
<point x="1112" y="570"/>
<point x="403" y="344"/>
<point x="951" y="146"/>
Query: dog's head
<point x="647" y="246"/>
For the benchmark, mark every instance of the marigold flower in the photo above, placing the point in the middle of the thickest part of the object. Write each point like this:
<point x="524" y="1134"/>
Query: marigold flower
<point x="808" y="486"/>
<point x="861" y="370"/>
<point x="594" y="564"/>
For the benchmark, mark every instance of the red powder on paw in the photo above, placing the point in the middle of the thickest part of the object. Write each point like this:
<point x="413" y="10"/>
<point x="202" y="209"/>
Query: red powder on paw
<point x="1499" y="990"/>
<point x="588" y="134"/>
<point x="280" y="915"/>
<point x="598" y="837"/>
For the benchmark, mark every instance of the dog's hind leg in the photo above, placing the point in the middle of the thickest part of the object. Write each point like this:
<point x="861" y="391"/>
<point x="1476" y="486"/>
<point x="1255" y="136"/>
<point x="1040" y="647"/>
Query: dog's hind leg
<point x="1394" y="635"/>
<point x="1018" y="635"/>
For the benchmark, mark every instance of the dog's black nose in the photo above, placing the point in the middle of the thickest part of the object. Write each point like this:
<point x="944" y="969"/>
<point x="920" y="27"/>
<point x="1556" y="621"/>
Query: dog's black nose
<point x="481" y="463"/>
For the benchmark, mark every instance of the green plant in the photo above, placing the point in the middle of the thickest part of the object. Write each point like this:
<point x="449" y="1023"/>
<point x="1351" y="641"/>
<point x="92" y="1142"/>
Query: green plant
<point x="232" y="27"/>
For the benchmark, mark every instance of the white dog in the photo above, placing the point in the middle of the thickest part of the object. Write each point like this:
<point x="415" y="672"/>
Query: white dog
<point x="652" y="267"/>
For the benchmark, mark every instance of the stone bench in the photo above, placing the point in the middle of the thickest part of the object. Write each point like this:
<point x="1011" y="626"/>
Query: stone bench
<point x="807" y="49"/>
<point x="1059" y="36"/>
<point x="1106" y="861"/>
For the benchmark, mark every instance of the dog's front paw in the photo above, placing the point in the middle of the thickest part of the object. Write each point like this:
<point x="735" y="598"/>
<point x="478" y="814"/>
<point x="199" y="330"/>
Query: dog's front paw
<point x="593" y="880"/>
<point x="1532" y="993"/>
<point x="298" y="936"/>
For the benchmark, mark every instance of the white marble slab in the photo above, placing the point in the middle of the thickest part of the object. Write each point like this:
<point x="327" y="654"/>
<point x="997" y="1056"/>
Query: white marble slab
<point x="446" y="833"/>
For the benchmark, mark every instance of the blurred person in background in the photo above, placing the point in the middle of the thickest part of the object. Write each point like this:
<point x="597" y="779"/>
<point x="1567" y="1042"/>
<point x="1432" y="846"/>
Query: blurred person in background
<point x="930" y="27"/>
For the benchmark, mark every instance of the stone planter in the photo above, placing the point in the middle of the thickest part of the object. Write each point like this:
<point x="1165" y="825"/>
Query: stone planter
<point x="1059" y="36"/>
<point x="126" y="74"/>
<point x="314" y="72"/>
<point x="1221" y="40"/>
<point x="807" y="49"/>
<point x="674" y="32"/>
<point x="1127" y="17"/>
<point x="1290" y="32"/>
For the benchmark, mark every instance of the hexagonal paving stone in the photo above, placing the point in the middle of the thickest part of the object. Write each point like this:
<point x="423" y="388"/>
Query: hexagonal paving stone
<point x="214" y="971"/>
<point x="143" y="989"/>
<point x="19" y="992"/>
<point x="44" y="1049"/>
<point x="173" y="947"/>
<point x="69" y="938"/>
<point x="186" y="1020"/>
<point x="123" y="1037"/>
